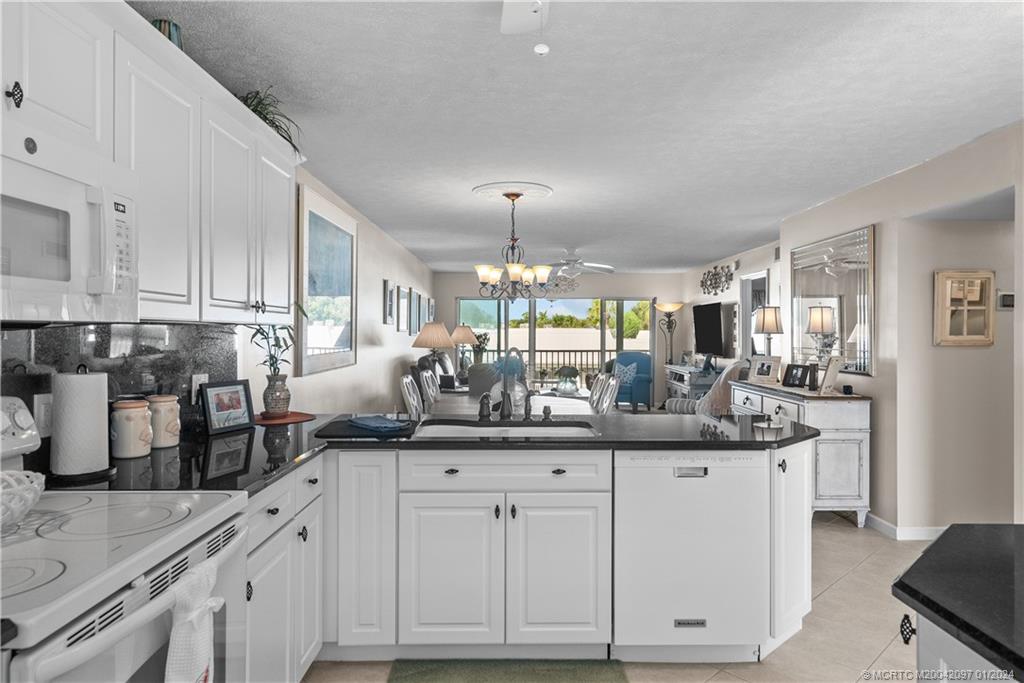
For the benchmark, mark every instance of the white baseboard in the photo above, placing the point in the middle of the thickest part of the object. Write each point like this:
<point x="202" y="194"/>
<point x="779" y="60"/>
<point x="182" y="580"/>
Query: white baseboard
<point x="904" y="533"/>
<point x="685" y="654"/>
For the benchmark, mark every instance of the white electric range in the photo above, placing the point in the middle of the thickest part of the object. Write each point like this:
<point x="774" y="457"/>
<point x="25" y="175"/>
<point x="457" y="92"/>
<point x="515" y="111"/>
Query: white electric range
<point x="85" y="582"/>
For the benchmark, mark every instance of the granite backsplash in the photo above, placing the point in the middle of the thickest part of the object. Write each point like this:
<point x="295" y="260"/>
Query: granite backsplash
<point x="138" y="359"/>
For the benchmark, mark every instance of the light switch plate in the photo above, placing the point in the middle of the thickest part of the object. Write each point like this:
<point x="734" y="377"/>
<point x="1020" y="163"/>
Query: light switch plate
<point x="196" y="381"/>
<point x="42" y="413"/>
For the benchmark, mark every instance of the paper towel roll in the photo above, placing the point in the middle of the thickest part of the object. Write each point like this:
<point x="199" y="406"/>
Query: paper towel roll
<point x="80" y="441"/>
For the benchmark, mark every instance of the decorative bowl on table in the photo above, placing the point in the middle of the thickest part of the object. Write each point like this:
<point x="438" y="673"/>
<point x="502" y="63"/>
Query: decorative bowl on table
<point x="19" y="491"/>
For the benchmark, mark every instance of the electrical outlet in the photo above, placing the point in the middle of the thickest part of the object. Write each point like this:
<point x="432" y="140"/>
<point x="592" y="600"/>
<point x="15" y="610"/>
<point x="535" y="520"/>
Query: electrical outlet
<point x="42" y="412"/>
<point x="196" y="381"/>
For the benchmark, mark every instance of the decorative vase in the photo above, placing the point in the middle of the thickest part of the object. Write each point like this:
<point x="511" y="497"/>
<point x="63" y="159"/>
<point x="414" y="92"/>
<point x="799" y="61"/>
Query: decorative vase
<point x="276" y="397"/>
<point x="478" y="356"/>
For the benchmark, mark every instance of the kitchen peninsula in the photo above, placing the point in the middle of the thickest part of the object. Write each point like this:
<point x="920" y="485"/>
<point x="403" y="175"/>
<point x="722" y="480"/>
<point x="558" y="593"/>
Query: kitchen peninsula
<point x="447" y="544"/>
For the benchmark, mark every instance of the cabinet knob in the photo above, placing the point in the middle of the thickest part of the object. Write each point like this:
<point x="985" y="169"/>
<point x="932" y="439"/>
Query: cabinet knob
<point x="248" y="591"/>
<point x="746" y="400"/>
<point x="557" y="471"/>
<point x="907" y="629"/>
<point x="782" y="465"/>
<point x="263" y="306"/>
<point x="312" y="481"/>
<point x="304" y="534"/>
<point x="16" y="94"/>
<point x="273" y="511"/>
<point x="451" y="471"/>
<point x="497" y="511"/>
<point x="255" y="306"/>
<point x="513" y="512"/>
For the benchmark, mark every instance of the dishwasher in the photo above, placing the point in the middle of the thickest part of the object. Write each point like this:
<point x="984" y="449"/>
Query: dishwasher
<point x="691" y="548"/>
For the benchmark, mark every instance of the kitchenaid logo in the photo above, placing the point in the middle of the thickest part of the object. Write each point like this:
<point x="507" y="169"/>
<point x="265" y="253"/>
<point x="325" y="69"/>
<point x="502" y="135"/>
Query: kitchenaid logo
<point x="691" y="623"/>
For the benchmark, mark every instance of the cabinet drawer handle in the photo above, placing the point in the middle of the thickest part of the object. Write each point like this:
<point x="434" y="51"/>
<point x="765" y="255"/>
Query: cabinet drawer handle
<point x="248" y="591"/>
<point x="312" y="481"/>
<point x="497" y="511"/>
<point x="557" y="471"/>
<point x="907" y="629"/>
<point x="304" y="534"/>
<point x="451" y="471"/>
<point x="16" y="93"/>
<point x="782" y="465"/>
<point x="273" y="511"/>
<point x="513" y="512"/>
<point x="746" y="400"/>
<point x="779" y="409"/>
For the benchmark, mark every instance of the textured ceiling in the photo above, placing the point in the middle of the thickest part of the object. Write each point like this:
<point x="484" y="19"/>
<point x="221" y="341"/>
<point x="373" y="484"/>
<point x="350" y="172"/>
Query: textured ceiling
<point x="673" y="133"/>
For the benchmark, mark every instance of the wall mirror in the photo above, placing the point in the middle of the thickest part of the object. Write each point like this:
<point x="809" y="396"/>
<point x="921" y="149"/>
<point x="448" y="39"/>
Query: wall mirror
<point x="327" y="286"/>
<point x="833" y="301"/>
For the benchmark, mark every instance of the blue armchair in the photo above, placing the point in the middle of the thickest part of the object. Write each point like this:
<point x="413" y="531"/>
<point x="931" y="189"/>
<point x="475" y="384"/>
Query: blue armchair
<point x="639" y="390"/>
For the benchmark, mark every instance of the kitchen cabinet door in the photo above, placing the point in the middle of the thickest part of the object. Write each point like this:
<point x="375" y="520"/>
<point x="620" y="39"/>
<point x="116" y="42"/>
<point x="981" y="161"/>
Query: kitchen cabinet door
<point x="277" y="232"/>
<point x="158" y="139"/>
<point x="308" y="554"/>
<point x="367" y="536"/>
<point x="791" y="536"/>
<point x="839" y="459"/>
<point x="228" y="218"/>
<point x="559" y="583"/>
<point x="62" y="57"/>
<point x="270" y="573"/>
<point x="451" y="571"/>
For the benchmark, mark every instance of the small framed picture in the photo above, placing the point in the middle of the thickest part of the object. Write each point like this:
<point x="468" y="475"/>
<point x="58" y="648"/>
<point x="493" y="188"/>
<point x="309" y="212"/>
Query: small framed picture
<point x="764" y="368"/>
<point x="227" y="454"/>
<point x="227" y="406"/>
<point x="828" y="382"/>
<point x="431" y="310"/>
<point x="389" y="303"/>
<point x="796" y="375"/>
<point x="414" y="313"/>
<point x="402" y="314"/>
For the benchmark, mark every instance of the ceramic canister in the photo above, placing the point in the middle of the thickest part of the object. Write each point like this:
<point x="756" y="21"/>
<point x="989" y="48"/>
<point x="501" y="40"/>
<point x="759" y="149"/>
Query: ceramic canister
<point x="166" y="420"/>
<point x="131" y="433"/>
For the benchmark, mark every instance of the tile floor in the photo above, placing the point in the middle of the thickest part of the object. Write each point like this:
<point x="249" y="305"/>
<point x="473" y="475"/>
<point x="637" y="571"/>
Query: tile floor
<point x="852" y="626"/>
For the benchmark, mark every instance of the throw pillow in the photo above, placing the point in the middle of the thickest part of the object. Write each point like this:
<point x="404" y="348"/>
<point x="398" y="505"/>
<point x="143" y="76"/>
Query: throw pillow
<point x="625" y="373"/>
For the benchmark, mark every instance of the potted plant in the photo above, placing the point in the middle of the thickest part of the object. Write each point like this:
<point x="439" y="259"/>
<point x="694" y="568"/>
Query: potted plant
<point x="482" y="340"/>
<point x="266" y="106"/>
<point x="275" y="341"/>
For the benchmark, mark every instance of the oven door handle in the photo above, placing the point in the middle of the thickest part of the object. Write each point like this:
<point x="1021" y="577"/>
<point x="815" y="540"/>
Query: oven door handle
<point x="52" y="665"/>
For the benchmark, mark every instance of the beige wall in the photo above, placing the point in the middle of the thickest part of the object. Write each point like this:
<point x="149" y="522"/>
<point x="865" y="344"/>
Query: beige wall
<point x="976" y="169"/>
<point x="664" y="286"/>
<point x="382" y="354"/>
<point x="955" y="405"/>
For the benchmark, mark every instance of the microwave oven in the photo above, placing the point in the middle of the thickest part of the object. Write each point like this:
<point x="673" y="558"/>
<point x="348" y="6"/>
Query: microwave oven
<point x="68" y="243"/>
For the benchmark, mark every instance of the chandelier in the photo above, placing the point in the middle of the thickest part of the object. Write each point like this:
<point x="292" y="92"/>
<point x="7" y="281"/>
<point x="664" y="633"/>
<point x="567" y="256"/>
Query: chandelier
<point x="514" y="279"/>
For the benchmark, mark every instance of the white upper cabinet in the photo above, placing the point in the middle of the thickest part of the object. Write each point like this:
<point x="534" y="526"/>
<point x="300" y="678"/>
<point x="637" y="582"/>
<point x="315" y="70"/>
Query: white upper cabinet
<point x="228" y="218"/>
<point x="157" y="137"/>
<point x="62" y="57"/>
<point x="559" y="568"/>
<point x="276" y="244"/>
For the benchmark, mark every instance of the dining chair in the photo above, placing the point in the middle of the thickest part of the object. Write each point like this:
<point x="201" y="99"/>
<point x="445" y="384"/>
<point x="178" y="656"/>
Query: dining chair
<point x="411" y="395"/>
<point x="608" y="393"/>
<point x="596" y="388"/>
<point x="431" y="388"/>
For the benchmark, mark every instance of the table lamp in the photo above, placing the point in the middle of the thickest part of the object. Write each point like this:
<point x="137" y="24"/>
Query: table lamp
<point x="768" y="321"/>
<point x="821" y="325"/>
<point x="461" y="336"/>
<point x="433" y="336"/>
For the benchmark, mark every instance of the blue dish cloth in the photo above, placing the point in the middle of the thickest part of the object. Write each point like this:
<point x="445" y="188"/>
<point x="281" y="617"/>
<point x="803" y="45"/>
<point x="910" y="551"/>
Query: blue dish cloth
<point x="378" y="423"/>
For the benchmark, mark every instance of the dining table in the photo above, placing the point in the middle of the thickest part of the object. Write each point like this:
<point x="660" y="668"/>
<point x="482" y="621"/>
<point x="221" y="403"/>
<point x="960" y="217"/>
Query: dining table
<point x="464" y="405"/>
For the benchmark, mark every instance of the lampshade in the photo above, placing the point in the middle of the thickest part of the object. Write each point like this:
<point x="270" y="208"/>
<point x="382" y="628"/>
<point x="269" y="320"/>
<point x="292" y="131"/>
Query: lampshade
<point x="463" y="334"/>
<point x="515" y="271"/>
<point x="668" y="306"/>
<point x="483" y="272"/>
<point x="768" y="320"/>
<point x="434" y="336"/>
<point x="542" y="273"/>
<point x="821" y="320"/>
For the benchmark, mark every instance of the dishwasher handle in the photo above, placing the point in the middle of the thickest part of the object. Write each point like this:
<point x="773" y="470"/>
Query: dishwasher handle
<point x="689" y="472"/>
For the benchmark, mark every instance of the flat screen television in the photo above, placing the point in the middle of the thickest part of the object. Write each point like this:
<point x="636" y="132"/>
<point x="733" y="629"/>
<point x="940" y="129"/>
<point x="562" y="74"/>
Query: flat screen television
<point x="707" y="329"/>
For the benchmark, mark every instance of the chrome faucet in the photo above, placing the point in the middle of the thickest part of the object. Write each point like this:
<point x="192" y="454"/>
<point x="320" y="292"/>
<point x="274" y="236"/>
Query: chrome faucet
<point x="527" y="408"/>
<point x="485" y="407"/>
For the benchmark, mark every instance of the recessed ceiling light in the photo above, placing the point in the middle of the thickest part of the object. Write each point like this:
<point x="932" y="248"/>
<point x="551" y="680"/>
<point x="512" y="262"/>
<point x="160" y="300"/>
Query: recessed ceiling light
<point x="541" y="49"/>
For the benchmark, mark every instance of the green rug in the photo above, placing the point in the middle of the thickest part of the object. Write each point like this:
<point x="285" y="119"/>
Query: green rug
<point x="507" y="671"/>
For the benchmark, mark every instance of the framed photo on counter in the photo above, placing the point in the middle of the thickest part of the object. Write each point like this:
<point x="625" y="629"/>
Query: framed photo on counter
<point x="764" y="368"/>
<point x="227" y="406"/>
<point x="796" y="375"/>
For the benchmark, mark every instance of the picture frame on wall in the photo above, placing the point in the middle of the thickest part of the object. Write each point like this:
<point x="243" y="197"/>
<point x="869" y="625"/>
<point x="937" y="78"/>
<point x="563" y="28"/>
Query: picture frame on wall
<point x="431" y="310"/>
<point x="796" y="375"/>
<point x="389" y="303"/>
<point x="964" y="308"/>
<point x="402" y="314"/>
<point x="227" y="406"/>
<point x="424" y="310"/>
<point x="414" y="313"/>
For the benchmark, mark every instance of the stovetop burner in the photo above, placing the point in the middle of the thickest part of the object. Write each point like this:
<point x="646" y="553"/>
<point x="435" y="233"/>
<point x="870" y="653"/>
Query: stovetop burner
<point x="112" y="521"/>
<point x="19" y="576"/>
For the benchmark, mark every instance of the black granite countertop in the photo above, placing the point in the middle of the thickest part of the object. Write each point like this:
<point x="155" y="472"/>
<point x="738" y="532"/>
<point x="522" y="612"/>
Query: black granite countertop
<point x="970" y="583"/>
<point x="655" y="431"/>
<point x="245" y="460"/>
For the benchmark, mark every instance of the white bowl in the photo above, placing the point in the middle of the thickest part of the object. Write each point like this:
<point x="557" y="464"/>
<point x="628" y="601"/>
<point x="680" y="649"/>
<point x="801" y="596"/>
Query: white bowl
<point x="19" y="491"/>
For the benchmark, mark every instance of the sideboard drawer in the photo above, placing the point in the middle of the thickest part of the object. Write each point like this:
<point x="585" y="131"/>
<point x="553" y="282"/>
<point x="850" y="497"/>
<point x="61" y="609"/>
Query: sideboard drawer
<point x="780" y="408"/>
<point x="505" y="471"/>
<point x="746" y="399"/>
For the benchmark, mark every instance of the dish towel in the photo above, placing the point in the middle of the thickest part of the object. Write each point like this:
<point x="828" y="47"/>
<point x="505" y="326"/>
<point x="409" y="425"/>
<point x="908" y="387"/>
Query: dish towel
<point x="190" y="652"/>
<point x="378" y="423"/>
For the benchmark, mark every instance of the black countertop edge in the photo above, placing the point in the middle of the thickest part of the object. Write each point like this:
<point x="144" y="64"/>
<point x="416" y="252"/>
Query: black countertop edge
<point x="294" y="464"/>
<point x="554" y="444"/>
<point x="995" y="652"/>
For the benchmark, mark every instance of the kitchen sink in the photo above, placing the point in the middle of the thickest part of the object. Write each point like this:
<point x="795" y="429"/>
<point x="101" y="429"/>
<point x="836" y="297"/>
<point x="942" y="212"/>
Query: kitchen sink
<point x="440" y="429"/>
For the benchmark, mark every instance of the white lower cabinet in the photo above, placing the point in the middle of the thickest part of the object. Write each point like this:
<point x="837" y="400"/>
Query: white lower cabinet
<point x="309" y="586"/>
<point x="791" y="488"/>
<point x="451" y="579"/>
<point x="270" y="572"/>
<point x="559" y="568"/>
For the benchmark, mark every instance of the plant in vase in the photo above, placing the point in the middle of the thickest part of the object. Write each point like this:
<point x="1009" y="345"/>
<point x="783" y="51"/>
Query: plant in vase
<point x="275" y="341"/>
<point x="482" y="340"/>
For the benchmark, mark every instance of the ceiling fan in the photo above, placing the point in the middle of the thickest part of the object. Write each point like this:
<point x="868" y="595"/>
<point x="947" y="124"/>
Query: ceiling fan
<point x="835" y="264"/>
<point x="572" y="265"/>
